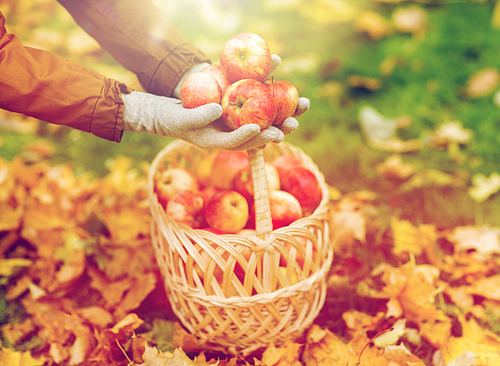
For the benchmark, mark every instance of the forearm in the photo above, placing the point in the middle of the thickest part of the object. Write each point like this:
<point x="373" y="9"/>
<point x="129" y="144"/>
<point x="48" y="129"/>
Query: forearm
<point x="138" y="36"/>
<point x="45" y="86"/>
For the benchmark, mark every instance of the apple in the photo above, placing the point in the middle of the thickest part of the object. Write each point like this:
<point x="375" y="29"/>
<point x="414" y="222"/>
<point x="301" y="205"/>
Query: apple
<point x="199" y="89"/>
<point x="285" y="208"/>
<point x="246" y="56"/>
<point x="225" y="166"/>
<point x="248" y="101"/>
<point x="186" y="207"/>
<point x="302" y="183"/>
<point x="285" y="162"/>
<point x="172" y="180"/>
<point x="203" y="170"/>
<point x="227" y="211"/>
<point x="243" y="182"/>
<point x="208" y="192"/>
<point x="218" y="72"/>
<point x="286" y="99"/>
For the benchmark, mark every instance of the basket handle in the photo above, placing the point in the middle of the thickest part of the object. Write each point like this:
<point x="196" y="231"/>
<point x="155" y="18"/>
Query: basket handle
<point x="263" y="222"/>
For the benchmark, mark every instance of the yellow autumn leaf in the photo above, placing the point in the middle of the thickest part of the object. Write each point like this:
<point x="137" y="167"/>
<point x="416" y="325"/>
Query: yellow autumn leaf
<point x="10" y="357"/>
<point x="373" y="24"/>
<point x="411" y="239"/>
<point x="476" y="340"/>
<point x="11" y="266"/>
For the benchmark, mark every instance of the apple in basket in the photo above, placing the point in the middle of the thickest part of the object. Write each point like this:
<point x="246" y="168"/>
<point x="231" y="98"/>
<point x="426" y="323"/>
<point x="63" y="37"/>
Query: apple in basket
<point x="284" y="162"/>
<point x="218" y="72"/>
<point x="172" y="180"/>
<point x="225" y="166"/>
<point x="203" y="170"/>
<point x="246" y="56"/>
<point x="199" y="89"/>
<point x="248" y="101"/>
<point x="285" y="208"/>
<point x="302" y="183"/>
<point x="227" y="211"/>
<point x="286" y="99"/>
<point x="243" y="182"/>
<point x="187" y="207"/>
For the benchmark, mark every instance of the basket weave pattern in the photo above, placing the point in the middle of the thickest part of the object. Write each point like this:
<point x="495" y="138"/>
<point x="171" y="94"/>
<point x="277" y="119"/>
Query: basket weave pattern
<point x="242" y="292"/>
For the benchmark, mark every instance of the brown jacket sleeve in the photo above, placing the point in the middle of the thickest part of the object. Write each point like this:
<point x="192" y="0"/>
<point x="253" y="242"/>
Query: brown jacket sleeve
<point x="138" y="36"/>
<point x="45" y="86"/>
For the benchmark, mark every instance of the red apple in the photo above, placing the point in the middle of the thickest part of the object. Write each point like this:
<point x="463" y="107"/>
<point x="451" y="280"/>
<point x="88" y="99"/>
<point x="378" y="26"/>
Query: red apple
<point x="172" y="180"/>
<point x="246" y="56"/>
<point x="286" y="98"/>
<point x="243" y="183"/>
<point x="186" y="207"/>
<point x="218" y="72"/>
<point x="248" y="101"/>
<point x="302" y="183"/>
<point x="285" y="208"/>
<point x="199" y="89"/>
<point x="226" y="165"/>
<point x="227" y="211"/>
<point x="285" y="162"/>
<point x="208" y="192"/>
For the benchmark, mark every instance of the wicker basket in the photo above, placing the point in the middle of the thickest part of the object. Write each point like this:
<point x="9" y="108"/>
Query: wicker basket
<point x="273" y="284"/>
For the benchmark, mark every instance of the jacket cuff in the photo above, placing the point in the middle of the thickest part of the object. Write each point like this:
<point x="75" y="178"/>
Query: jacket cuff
<point x="107" y="115"/>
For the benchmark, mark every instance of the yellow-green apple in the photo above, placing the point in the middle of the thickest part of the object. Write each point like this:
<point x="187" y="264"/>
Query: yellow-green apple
<point x="248" y="101"/>
<point x="225" y="166"/>
<point x="246" y="56"/>
<point x="284" y="162"/>
<point x="218" y="72"/>
<point x="203" y="170"/>
<point x="227" y="211"/>
<point x="186" y="207"/>
<point x="199" y="89"/>
<point x="285" y="208"/>
<point x="302" y="183"/>
<point x="286" y="99"/>
<point x="172" y="180"/>
<point x="243" y="183"/>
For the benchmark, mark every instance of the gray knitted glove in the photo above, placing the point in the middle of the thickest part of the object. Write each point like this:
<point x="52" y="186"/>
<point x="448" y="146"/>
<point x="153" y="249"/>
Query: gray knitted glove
<point x="199" y="126"/>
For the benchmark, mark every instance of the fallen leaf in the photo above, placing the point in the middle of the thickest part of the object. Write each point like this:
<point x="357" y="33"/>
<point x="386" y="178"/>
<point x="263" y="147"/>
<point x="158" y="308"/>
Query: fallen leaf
<point x="483" y="187"/>
<point x="402" y="356"/>
<point x="10" y="357"/>
<point x="483" y="83"/>
<point x="476" y="340"/>
<point x="450" y="132"/>
<point x="394" y="168"/>
<point x="373" y="24"/>
<point x="412" y="19"/>
<point x="391" y="337"/>
<point x="411" y="239"/>
<point x="488" y="287"/>
<point x="484" y="240"/>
